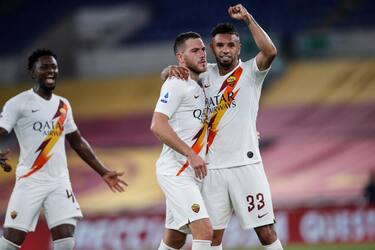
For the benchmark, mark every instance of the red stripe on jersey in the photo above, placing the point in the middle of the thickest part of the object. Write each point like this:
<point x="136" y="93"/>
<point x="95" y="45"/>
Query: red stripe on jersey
<point x="197" y="146"/>
<point x="228" y="85"/>
<point x="50" y="141"/>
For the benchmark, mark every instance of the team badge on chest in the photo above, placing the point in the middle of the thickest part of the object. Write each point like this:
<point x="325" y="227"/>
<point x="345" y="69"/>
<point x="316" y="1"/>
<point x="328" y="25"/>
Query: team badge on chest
<point x="231" y="81"/>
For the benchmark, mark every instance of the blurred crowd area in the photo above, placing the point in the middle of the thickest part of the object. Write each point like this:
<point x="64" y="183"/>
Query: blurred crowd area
<point x="316" y="118"/>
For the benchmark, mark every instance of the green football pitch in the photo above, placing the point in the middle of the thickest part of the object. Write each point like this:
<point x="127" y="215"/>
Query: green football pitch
<point x="322" y="247"/>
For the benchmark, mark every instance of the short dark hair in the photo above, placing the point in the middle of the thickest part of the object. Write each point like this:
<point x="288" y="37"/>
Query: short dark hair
<point x="35" y="55"/>
<point x="182" y="37"/>
<point x="224" y="28"/>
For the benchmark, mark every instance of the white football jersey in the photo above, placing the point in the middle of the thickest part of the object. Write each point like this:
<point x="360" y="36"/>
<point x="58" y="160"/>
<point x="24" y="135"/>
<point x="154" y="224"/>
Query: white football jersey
<point x="233" y="102"/>
<point x="184" y="103"/>
<point x="40" y="126"/>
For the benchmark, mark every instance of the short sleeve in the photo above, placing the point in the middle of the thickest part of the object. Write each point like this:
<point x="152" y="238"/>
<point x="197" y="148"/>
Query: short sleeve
<point x="70" y="126"/>
<point x="10" y="114"/>
<point x="171" y="95"/>
<point x="260" y="75"/>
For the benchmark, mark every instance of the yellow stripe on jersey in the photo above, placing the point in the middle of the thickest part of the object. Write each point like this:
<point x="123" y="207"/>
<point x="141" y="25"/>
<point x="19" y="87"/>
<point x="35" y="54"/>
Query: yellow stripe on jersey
<point x="50" y="141"/>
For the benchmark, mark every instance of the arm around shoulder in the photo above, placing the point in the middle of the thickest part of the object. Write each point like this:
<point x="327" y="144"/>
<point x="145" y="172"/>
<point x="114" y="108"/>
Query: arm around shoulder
<point x="179" y="72"/>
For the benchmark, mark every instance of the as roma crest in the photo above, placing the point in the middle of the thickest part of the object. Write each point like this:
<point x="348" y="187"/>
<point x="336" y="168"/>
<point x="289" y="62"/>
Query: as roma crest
<point x="195" y="207"/>
<point x="231" y="80"/>
<point x="13" y="214"/>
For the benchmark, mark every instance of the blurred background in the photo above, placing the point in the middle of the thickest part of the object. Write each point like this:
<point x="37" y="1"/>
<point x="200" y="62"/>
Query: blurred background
<point x="316" y="119"/>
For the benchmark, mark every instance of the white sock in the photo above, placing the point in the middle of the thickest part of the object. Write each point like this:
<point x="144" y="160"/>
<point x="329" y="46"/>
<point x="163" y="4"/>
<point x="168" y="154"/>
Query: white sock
<point x="274" y="246"/>
<point x="201" y="245"/>
<point x="64" y="244"/>
<point x="219" y="247"/>
<point x="7" y="245"/>
<point x="163" y="246"/>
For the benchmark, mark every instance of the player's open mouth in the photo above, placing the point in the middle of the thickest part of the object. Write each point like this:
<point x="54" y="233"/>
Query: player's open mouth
<point x="226" y="58"/>
<point x="51" y="79"/>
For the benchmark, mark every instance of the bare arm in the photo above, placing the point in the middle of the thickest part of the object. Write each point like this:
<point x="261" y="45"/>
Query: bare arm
<point x="4" y="154"/>
<point x="180" y="72"/>
<point x="161" y="129"/>
<point x="84" y="150"/>
<point x="267" y="49"/>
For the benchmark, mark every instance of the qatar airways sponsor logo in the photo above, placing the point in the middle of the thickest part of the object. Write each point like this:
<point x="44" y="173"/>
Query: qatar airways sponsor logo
<point x="47" y="127"/>
<point x="338" y="226"/>
<point x="200" y="114"/>
<point x="220" y="102"/>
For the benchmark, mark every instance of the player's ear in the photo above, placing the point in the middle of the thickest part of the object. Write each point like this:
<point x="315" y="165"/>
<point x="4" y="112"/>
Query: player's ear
<point x="180" y="57"/>
<point x="32" y="73"/>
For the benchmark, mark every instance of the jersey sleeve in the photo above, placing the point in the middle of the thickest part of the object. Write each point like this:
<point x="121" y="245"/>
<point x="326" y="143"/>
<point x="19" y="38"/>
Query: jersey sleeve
<point x="171" y="95"/>
<point x="10" y="114"/>
<point x="259" y="74"/>
<point x="70" y="126"/>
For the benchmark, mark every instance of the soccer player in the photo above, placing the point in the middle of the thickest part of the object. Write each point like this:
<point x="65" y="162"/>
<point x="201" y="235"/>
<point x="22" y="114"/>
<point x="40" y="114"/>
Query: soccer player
<point x="42" y="121"/>
<point x="236" y="180"/>
<point x="179" y="122"/>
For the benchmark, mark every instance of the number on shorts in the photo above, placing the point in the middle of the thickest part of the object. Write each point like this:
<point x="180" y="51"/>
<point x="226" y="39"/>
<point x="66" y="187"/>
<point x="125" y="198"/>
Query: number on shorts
<point x="251" y="201"/>
<point x="260" y="199"/>
<point x="69" y="194"/>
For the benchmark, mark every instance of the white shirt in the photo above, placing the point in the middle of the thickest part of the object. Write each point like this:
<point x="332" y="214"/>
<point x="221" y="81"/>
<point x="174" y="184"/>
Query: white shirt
<point x="233" y="102"/>
<point x="40" y="126"/>
<point x="183" y="102"/>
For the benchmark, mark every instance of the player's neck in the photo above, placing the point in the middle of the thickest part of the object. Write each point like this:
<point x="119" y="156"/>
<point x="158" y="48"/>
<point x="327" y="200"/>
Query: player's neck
<point x="194" y="76"/>
<point x="224" y="69"/>
<point x="45" y="94"/>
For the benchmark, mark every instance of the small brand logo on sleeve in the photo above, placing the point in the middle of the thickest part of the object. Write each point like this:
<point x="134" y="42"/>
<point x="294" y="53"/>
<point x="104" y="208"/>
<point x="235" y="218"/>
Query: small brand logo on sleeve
<point x="165" y="98"/>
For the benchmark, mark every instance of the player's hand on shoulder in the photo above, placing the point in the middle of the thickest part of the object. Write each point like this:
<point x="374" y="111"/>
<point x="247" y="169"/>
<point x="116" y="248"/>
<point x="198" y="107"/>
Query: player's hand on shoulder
<point x="179" y="72"/>
<point x="198" y="164"/>
<point x="113" y="180"/>
<point x="3" y="160"/>
<point x="238" y="12"/>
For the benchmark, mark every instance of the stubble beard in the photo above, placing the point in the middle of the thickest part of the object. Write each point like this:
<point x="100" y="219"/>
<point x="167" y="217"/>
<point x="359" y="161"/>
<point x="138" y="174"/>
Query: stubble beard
<point x="195" y="68"/>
